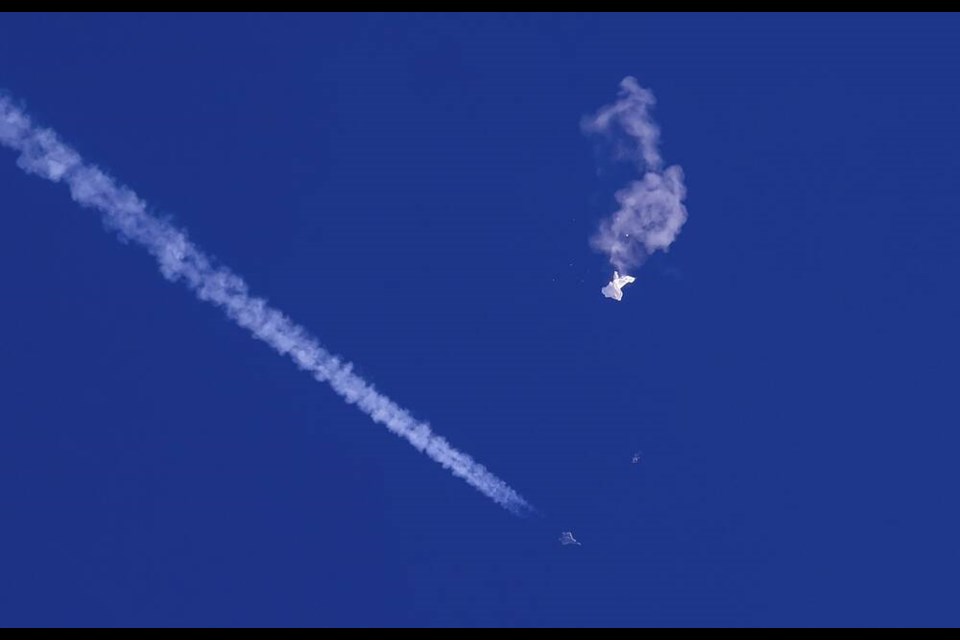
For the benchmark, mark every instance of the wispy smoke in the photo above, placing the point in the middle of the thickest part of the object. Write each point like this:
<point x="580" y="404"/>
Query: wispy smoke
<point x="43" y="154"/>
<point x="651" y="211"/>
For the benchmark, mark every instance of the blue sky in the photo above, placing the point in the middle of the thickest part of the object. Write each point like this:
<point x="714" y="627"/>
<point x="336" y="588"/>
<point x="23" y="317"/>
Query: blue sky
<point x="416" y="191"/>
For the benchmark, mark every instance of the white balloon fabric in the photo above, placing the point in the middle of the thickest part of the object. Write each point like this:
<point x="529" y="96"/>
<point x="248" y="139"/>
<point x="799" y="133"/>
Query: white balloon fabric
<point x="614" y="289"/>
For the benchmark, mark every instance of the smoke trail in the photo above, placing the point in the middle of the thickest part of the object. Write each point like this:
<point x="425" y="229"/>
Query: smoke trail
<point x="43" y="154"/>
<point x="651" y="209"/>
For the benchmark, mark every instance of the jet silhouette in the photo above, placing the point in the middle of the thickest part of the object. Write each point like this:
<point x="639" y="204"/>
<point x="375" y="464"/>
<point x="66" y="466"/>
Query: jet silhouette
<point x="567" y="538"/>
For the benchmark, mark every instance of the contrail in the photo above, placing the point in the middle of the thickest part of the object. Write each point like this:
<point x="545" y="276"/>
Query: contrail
<point x="651" y="209"/>
<point x="42" y="153"/>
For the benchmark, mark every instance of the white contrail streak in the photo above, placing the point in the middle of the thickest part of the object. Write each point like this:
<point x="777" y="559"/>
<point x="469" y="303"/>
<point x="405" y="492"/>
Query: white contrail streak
<point x="651" y="211"/>
<point x="42" y="153"/>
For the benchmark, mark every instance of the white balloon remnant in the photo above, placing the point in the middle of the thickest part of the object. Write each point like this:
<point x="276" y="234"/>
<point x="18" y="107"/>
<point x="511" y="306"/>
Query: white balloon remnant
<point x="613" y="290"/>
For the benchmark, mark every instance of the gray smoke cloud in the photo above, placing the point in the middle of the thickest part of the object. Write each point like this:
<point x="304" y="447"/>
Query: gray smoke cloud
<point x="43" y="154"/>
<point x="651" y="211"/>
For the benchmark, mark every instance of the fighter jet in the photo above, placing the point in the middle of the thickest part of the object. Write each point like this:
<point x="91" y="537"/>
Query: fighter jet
<point x="613" y="290"/>
<point x="567" y="538"/>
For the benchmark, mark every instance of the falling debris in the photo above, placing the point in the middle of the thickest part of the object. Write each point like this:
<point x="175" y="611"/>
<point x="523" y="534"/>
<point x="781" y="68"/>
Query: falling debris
<point x="613" y="290"/>
<point x="567" y="538"/>
<point x="650" y="210"/>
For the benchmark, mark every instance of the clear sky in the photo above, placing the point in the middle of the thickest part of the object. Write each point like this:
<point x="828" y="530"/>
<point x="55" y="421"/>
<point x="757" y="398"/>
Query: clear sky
<point x="416" y="191"/>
